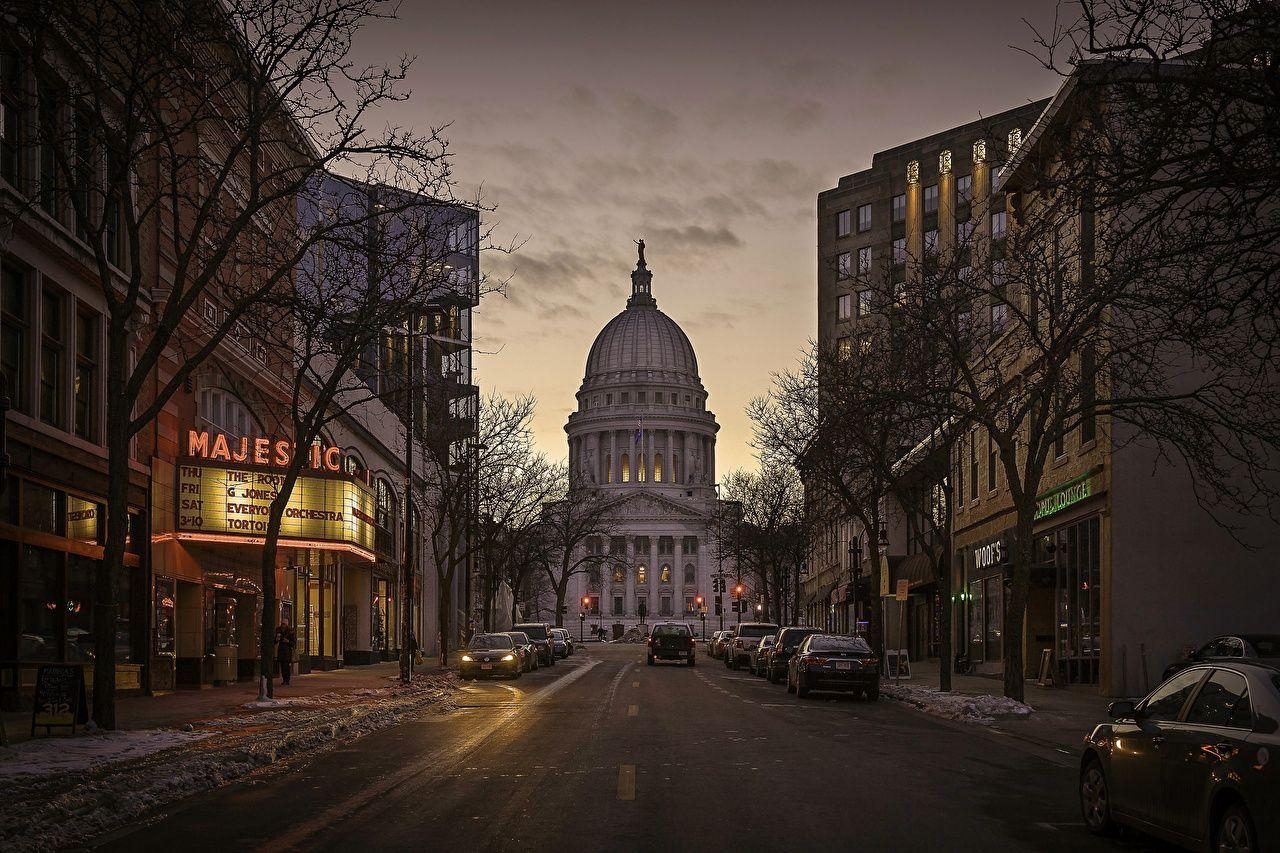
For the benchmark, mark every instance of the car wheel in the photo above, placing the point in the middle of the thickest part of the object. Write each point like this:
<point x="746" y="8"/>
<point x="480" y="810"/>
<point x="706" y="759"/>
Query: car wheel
<point x="1095" y="799"/>
<point x="801" y="690"/>
<point x="519" y="672"/>
<point x="649" y="660"/>
<point x="690" y="660"/>
<point x="1234" y="831"/>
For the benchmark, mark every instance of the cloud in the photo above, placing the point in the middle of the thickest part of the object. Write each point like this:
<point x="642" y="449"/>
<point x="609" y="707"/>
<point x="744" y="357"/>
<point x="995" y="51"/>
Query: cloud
<point x="780" y="113"/>
<point x="692" y="239"/>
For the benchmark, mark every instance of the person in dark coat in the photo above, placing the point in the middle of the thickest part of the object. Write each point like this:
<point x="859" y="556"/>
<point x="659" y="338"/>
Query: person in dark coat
<point x="286" y="640"/>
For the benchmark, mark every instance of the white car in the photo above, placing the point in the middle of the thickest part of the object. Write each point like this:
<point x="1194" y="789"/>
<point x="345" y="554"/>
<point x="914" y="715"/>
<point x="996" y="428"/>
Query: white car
<point x="760" y="655"/>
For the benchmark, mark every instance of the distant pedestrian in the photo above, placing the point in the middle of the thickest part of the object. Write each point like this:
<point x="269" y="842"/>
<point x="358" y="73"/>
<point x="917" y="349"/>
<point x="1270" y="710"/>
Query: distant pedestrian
<point x="286" y="640"/>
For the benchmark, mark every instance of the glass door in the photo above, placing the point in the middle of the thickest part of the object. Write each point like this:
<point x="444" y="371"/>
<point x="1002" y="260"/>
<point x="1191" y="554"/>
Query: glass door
<point x="993" y="617"/>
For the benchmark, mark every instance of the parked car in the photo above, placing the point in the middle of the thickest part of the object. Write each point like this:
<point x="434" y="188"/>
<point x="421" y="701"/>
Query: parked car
<point x="540" y="633"/>
<point x="528" y="652"/>
<point x="760" y="655"/>
<point x="714" y="647"/>
<point x="726" y="646"/>
<point x="1264" y="648"/>
<point x="834" y="662"/>
<point x="670" y="641"/>
<point x="560" y="642"/>
<point x="490" y="654"/>
<point x="1190" y="762"/>
<point x="788" y="640"/>
<point x="745" y="638"/>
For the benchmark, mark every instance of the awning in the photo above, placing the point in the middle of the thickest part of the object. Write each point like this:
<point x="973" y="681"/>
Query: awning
<point x="916" y="569"/>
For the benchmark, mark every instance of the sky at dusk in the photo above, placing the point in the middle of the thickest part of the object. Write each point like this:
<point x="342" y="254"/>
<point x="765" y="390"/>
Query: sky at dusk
<point x="706" y="127"/>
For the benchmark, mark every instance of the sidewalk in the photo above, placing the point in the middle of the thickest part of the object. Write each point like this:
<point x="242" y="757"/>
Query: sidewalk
<point x="183" y="706"/>
<point x="1060" y="719"/>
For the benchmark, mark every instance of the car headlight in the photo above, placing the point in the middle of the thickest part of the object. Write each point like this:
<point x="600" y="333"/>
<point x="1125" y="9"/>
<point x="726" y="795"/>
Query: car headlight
<point x="509" y="657"/>
<point x="467" y="658"/>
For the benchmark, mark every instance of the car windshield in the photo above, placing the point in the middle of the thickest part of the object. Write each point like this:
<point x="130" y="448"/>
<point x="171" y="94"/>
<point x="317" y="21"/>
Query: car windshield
<point x="1267" y="646"/>
<point x="535" y="632"/>
<point x="670" y="631"/>
<point x="519" y="638"/>
<point x="756" y="631"/>
<point x="767" y="641"/>
<point x="839" y="644"/>
<point x="490" y="641"/>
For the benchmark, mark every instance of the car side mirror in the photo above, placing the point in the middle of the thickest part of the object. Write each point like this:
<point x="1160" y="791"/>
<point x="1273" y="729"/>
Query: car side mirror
<point x="1123" y="709"/>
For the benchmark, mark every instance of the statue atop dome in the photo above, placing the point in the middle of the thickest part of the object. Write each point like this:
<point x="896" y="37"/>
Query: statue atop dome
<point x="640" y="251"/>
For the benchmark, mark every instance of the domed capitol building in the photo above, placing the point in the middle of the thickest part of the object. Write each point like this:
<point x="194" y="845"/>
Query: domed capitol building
<point x="643" y="434"/>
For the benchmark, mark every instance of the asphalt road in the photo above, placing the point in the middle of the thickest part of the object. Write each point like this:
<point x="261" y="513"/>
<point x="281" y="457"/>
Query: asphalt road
<point x="602" y="752"/>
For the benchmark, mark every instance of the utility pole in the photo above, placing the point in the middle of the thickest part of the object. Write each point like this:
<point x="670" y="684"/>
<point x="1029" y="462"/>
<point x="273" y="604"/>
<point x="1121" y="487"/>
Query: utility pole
<point x="407" y="650"/>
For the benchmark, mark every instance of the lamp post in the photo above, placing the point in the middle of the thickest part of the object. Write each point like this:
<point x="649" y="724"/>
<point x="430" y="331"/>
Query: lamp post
<point x="582" y="626"/>
<point x="473" y="512"/>
<point x="855" y="576"/>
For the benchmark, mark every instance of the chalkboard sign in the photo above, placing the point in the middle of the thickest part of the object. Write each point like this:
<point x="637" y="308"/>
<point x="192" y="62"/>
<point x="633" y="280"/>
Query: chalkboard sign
<point x="1045" y="678"/>
<point x="60" y="700"/>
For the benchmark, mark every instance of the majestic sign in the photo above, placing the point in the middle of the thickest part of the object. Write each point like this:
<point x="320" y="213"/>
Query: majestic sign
<point x="219" y="500"/>
<point x="257" y="451"/>
<point x="1059" y="499"/>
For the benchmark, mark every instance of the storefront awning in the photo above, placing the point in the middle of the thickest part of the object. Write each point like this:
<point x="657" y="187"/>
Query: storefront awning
<point x="916" y="569"/>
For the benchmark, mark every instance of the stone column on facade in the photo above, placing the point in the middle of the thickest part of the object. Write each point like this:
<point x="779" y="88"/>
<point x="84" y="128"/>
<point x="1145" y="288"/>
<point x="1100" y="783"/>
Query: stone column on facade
<point x="655" y="579"/>
<point x="915" y="221"/>
<point x="648" y="455"/>
<point x="946" y="205"/>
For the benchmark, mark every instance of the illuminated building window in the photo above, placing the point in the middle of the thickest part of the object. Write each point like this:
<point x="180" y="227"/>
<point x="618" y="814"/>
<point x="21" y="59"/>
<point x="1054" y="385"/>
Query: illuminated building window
<point x="642" y="470"/>
<point x="608" y="468"/>
<point x="844" y="347"/>
<point x="664" y="575"/>
<point x="642" y="575"/>
<point x="657" y="467"/>
<point x="626" y="468"/>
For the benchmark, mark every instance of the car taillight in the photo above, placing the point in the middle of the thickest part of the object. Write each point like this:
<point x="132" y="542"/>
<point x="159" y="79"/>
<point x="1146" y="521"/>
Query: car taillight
<point x="870" y="662"/>
<point x="738" y="643"/>
<point x="817" y="660"/>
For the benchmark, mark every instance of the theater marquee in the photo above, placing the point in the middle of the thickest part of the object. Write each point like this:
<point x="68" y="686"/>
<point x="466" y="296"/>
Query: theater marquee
<point x="232" y="503"/>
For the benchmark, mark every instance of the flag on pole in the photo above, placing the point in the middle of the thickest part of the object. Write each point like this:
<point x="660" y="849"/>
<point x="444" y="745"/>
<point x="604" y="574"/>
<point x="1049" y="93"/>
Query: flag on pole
<point x="639" y="422"/>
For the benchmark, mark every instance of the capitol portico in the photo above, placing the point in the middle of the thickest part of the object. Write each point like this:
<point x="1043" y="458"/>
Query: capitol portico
<point x="642" y="431"/>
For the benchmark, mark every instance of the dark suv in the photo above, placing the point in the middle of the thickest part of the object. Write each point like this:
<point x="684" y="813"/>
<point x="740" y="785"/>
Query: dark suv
<point x="539" y="634"/>
<point x="789" y="639"/>
<point x="670" y="641"/>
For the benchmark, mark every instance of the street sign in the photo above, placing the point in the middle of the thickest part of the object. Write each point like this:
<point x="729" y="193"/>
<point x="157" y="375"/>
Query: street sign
<point x="901" y="591"/>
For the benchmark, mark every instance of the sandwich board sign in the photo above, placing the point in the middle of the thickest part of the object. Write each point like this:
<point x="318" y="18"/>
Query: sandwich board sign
<point x="60" y="698"/>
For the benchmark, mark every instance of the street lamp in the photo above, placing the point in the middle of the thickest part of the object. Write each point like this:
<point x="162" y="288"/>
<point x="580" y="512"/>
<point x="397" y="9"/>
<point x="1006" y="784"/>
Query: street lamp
<point x="582" y="626"/>
<point x="855" y="576"/>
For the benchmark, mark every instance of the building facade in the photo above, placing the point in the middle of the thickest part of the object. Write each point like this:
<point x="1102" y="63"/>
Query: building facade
<point x="642" y="433"/>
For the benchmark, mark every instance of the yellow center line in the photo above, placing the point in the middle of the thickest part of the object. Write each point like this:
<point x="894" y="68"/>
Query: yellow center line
<point x="627" y="781"/>
<point x="633" y="710"/>
<point x="635" y="684"/>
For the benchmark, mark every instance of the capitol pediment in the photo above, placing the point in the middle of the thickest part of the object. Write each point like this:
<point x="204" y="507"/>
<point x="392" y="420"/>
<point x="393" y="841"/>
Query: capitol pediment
<point x="656" y="506"/>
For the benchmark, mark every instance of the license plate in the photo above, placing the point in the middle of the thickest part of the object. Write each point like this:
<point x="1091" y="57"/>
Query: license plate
<point x="844" y="666"/>
<point x="486" y="666"/>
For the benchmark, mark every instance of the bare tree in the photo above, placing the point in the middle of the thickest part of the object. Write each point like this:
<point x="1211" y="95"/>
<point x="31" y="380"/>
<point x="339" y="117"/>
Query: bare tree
<point x="176" y="139"/>
<point x="581" y="516"/>
<point x="772" y="531"/>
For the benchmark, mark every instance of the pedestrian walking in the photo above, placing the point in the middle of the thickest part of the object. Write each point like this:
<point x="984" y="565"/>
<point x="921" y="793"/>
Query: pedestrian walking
<point x="286" y="640"/>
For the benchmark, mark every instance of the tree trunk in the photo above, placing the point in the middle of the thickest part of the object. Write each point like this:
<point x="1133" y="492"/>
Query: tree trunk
<point x="562" y="589"/>
<point x="942" y="569"/>
<point x="444" y="603"/>
<point x="270" y="549"/>
<point x="1015" y="611"/>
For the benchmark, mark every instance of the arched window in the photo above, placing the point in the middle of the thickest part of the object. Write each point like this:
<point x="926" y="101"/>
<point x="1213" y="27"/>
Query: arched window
<point x="657" y="467"/>
<point x="642" y="575"/>
<point x="384" y="517"/>
<point x="608" y="467"/>
<point x="219" y="410"/>
<point x="618" y="575"/>
<point x="352" y="465"/>
<point x="626" y="468"/>
<point x="665" y="575"/>
<point x="690" y="574"/>
<point x="675" y="467"/>
<point x="642" y="470"/>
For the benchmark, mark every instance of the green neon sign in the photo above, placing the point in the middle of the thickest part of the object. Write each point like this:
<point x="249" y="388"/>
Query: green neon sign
<point x="1069" y="494"/>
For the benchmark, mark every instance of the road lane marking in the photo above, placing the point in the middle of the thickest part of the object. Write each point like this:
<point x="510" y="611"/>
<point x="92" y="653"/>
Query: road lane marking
<point x="633" y="710"/>
<point x="626" y="781"/>
<point x="635" y="684"/>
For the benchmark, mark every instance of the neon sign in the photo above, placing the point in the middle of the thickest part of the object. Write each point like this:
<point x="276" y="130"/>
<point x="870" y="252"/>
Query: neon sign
<point x="257" y="451"/>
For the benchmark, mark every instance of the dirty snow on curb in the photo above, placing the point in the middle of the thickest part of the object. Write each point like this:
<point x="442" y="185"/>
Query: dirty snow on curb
<point x="983" y="709"/>
<point x="67" y="754"/>
<point x="73" y="803"/>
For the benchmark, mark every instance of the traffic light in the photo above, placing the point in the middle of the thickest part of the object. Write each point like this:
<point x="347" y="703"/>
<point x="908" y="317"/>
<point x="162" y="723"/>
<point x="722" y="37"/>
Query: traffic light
<point x="699" y="601"/>
<point x="586" y="602"/>
<point x="739" y="590"/>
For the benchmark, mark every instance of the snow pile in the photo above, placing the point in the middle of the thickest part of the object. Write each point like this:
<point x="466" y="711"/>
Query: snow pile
<point x="982" y="708"/>
<point x="71" y="804"/>
<point x="68" y="754"/>
<point x="631" y="635"/>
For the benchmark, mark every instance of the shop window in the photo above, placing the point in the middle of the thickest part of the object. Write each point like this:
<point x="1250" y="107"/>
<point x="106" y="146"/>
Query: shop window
<point x="166" y="609"/>
<point x="1079" y="597"/>
<point x="43" y="508"/>
<point x="40" y="604"/>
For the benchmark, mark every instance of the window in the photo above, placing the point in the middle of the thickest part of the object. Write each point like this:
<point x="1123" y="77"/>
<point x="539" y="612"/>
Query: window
<point x="664" y="605"/>
<point x="973" y="466"/>
<point x="992" y="458"/>
<point x="844" y="223"/>
<point x="608" y="468"/>
<point x="626" y="398"/>
<point x="223" y="412"/>
<point x="664" y="574"/>
<point x="657" y="468"/>
<point x="864" y="303"/>
<point x="688" y="604"/>
<point x="864" y="217"/>
<point x="617" y="605"/>
<point x="626" y="468"/>
<point x="994" y="171"/>
<point x="1222" y="701"/>
<point x="844" y="347"/>
<point x="642" y="470"/>
<point x="964" y="189"/>
<point x="844" y="264"/>
<point x="608" y="399"/>
<point x="657" y="397"/>
<point x="999" y="225"/>
<point x="964" y="232"/>
<point x="1166" y="703"/>
<point x="864" y="260"/>
<point x="690" y="574"/>
<point x="999" y="317"/>
<point x="689" y="545"/>
<point x="931" y="241"/>
<point x="844" y="306"/>
<point x="900" y="250"/>
<point x="14" y="324"/>
<point x="52" y="353"/>
<point x="931" y="199"/>
<point x="384" y="535"/>
<point x="899" y="207"/>
<point x="11" y="140"/>
<point x="642" y="575"/>
<point x="1088" y="396"/>
<point x="86" y="384"/>
<point x="640" y="397"/>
